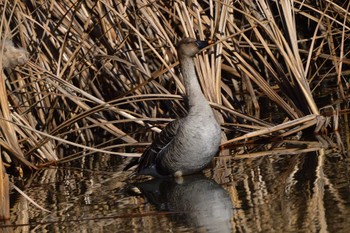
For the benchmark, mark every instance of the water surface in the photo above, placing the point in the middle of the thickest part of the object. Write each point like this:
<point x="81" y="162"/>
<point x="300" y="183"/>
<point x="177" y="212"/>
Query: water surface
<point x="295" y="192"/>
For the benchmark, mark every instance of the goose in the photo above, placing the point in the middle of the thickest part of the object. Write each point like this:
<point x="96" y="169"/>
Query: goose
<point x="186" y="145"/>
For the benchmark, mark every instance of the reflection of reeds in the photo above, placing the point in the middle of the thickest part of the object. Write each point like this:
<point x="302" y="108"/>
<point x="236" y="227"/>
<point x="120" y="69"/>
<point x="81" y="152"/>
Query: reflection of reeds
<point x="102" y="75"/>
<point x="286" y="185"/>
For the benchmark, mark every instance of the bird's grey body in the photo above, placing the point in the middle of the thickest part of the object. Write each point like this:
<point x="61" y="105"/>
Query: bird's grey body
<point x="186" y="145"/>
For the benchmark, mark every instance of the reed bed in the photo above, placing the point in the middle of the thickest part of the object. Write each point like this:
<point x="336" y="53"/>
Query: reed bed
<point x="102" y="76"/>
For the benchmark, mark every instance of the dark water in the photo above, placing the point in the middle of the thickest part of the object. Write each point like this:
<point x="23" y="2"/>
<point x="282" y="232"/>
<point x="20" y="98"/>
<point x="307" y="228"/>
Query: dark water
<point x="303" y="191"/>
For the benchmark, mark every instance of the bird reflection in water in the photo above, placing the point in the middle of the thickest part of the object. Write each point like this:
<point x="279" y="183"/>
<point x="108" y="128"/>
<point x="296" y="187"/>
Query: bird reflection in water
<point x="199" y="202"/>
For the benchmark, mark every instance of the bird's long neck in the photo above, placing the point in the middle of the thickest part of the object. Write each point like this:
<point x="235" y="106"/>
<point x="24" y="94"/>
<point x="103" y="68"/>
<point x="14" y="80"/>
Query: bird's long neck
<point x="193" y="89"/>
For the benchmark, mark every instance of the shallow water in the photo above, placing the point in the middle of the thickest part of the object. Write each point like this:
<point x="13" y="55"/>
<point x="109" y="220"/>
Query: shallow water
<point x="299" y="192"/>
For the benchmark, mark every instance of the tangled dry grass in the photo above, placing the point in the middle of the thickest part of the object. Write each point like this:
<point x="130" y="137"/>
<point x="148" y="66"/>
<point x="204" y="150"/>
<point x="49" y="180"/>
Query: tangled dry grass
<point x="102" y="76"/>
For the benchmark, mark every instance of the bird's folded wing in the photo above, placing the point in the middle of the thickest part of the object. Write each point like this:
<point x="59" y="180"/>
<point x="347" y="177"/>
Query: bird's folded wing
<point x="161" y="141"/>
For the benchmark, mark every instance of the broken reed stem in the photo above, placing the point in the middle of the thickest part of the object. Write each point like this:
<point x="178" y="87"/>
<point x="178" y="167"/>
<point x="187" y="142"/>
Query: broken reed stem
<point x="4" y="193"/>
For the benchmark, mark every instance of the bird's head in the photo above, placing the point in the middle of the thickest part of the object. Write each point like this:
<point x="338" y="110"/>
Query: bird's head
<point x="190" y="46"/>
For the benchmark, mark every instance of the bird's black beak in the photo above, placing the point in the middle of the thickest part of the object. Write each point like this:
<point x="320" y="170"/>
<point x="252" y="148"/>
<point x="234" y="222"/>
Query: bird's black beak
<point x="202" y="43"/>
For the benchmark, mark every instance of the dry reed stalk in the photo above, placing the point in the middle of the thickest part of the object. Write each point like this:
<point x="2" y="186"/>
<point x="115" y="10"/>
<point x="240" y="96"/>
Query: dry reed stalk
<point x="4" y="193"/>
<point x="11" y="56"/>
<point x="269" y="130"/>
<point x="275" y="152"/>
